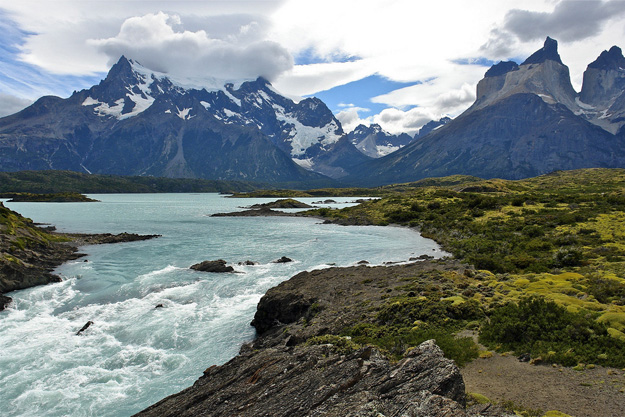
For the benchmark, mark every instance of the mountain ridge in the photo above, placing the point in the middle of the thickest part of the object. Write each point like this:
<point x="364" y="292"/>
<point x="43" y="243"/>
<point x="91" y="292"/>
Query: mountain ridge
<point x="138" y="122"/>
<point x="527" y="120"/>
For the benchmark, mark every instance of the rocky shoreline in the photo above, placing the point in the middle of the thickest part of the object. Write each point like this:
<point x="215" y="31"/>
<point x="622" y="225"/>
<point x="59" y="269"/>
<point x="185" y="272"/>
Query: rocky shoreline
<point x="29" y="253"/>
<point x="294" y="368"/>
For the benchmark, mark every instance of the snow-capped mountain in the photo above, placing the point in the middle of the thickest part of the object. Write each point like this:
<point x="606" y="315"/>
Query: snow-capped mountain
<point x="375" y="142"/>
<point x="527" y="120"/>
<point x="141" y="122"/>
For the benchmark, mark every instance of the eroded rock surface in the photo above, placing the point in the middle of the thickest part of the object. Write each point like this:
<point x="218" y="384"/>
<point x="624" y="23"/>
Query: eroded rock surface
<point x="319" y="381"/>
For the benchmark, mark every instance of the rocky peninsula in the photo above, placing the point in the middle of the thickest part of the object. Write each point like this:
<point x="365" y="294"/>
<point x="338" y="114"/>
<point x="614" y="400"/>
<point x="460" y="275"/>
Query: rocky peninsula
<point x="300" y="365"/>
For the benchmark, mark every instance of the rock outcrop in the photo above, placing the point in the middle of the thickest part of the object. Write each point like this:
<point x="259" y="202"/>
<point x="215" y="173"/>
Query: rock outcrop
<point x="285" y="203"/>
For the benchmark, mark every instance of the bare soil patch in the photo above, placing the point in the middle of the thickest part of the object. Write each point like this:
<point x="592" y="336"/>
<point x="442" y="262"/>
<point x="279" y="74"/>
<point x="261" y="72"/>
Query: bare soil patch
<point x="587" y="393"/>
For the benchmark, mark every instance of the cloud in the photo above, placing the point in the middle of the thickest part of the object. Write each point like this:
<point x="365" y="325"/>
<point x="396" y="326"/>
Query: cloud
<point x="392" y="120"/>
<point x="569" y="21"/>
<point x="398" y="121"/>
<point x="350" y="118"/>
<point x="160" y="42"/>
<point x="309" y="79"/>
<point x="10" y="104"/>
<point x="449" y="93"/>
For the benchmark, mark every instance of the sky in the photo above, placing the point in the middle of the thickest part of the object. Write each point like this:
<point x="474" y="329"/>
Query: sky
<point x="398" y="63"/>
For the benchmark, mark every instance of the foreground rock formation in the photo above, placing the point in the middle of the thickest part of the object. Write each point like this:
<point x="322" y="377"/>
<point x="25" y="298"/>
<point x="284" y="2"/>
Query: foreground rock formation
<point x="318" y="380"/>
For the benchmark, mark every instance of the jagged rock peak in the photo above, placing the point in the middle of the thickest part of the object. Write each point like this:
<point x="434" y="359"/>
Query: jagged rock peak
<point x="501" y="68"/>
<point x="367" y="130"/>
<point x="121" y="69"/>
<point x="610" y="60"/>
<point x="549" y="51"/>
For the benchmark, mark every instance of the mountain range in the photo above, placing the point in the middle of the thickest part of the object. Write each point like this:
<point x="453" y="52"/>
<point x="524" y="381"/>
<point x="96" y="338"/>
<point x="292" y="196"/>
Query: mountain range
<point x="140" y="122"/>
<point x="527" y="120"/>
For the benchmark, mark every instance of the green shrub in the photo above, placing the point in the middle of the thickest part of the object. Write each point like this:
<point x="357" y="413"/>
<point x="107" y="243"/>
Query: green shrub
<point x="546" y="329"/>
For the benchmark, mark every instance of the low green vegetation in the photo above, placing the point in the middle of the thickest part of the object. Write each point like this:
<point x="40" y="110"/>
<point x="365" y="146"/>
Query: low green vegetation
<point x="68" y="181"/>
<point x="19" y="233"/>
<point x="318" y="192"/>
<point x="47" y="197"/>
<point x="558" y="239"/>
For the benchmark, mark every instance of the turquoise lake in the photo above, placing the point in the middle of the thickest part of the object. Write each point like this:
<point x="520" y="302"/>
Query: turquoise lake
<point x="134" y="354"/>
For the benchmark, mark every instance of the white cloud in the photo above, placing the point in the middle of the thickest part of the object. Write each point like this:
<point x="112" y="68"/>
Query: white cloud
<point x="308" y="79"/>
<point x="153" y="40"/>
<point x="410" y="121"/>
<point x="59" y="32"/>
<point x="10" y="104"/>
<point x="350" y="118"/>
<point x="392" y="120"/>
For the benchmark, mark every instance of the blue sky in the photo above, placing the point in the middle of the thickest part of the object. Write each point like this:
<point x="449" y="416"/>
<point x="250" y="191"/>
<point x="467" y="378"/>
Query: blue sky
<point x="359" y="93"/>
<point x="399" y="63"/>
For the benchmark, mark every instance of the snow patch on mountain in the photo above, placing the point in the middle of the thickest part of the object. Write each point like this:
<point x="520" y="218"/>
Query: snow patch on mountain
<point x="383" y="150"/>
<point x="307" y="163"/>
<point x="184" y="113"/>
<point x="303" y="137"/>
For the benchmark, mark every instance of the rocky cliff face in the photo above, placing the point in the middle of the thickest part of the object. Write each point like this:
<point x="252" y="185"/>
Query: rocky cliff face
<point x="526" y="121"/>
<point x="602" y="99"/>
<point x="542" y="74"/>
<point x="319" y="381"/>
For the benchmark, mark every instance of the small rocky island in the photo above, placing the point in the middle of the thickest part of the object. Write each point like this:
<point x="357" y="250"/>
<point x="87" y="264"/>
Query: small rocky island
<point x="265" y="209"/>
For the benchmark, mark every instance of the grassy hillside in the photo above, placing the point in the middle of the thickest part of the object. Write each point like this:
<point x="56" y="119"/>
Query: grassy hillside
<point x="549" y="257"/>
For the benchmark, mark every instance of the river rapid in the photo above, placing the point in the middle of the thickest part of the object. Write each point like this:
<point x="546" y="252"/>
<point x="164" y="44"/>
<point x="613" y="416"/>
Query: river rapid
<point x="135" y="354"/>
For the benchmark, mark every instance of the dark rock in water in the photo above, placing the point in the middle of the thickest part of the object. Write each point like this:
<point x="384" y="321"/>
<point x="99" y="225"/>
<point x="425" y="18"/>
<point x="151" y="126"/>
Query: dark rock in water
<point x="4" y="301"/>
<point x="248" y="263"/>
<point x="159" y="306"/>
<point x="318" y="380"/>
<point x="325" y="202"/>
<point x="213" y="266"/>
<point x="85" y="327"/>
<point x="283" y="260"/>
<point x="363" y="262"/>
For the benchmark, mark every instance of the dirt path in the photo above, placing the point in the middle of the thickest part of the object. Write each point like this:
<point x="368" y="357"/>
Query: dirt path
<point x="598" y="392"/>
